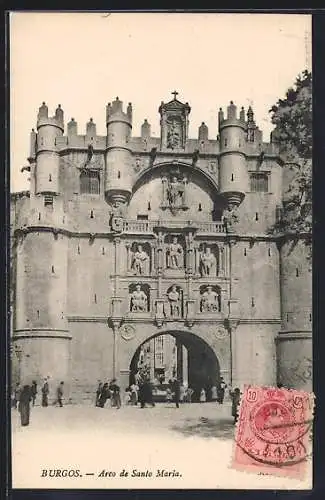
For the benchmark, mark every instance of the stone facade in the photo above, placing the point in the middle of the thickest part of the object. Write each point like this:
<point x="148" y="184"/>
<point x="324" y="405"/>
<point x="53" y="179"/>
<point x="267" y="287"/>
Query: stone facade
<point x="124" y="238"/>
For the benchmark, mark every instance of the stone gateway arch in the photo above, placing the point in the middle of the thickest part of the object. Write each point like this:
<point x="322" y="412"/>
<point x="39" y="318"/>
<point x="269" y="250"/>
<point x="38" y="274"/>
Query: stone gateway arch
<point x="123" y="239"/>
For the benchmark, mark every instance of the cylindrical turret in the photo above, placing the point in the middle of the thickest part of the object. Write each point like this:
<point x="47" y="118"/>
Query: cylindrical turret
<point x="91" y="129"/>
<point x="118" y="182"/>
<point x="145" y="129"/>
<point x="233" y="173"/>
<point x="294" y="343"/>
<point x="203" y="132"/>
<point x="47" y="157"/>
<point x="72" y="128"/>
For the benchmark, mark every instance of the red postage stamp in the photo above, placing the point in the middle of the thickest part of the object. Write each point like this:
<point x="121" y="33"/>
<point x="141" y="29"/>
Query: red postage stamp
<point x="274" y="431"/>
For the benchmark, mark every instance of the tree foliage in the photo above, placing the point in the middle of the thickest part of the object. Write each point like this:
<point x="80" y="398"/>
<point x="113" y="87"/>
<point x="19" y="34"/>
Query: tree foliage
<point x="292" y="117"/>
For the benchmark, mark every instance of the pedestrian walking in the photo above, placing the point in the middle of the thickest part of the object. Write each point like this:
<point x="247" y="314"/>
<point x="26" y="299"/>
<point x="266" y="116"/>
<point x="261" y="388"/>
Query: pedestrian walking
<point x="203" y="397"/>
<point x="115" y="394"/>
<point x="176" y="387"/>
<point x="235" y="400"/>
<point x="127" y="396"/>
<point x="169" y="394"/>
<point x="24" y="404"/>
<point x="17" y="392"/>
<point x="214" y="393"/>
<point x="182" y="394"/>
<point x="45" y="393"/>
<point x="34" y="391"/>
<point x="134" y="394"/>
<point x="98" y="393"/>
<point x="221" y="390"/>
<point x="104" y="396"/>
<point x="59" y="395"/>
<point x="189" y="394"/>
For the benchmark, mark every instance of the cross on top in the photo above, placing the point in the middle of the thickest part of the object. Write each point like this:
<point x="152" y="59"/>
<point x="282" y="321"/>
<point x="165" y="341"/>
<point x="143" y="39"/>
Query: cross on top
<point x="175" y="93"/>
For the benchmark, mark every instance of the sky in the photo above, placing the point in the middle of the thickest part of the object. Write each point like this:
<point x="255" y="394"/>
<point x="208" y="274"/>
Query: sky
<point x="85" y="60"/>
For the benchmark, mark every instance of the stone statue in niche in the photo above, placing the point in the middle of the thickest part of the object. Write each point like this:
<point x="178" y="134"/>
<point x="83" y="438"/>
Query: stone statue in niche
<point x="139" y="300"/>
<point x="174" y="136"/>
<point x="137" y="165"/>
<point x="230" y="217"/>
<point x="176" y="193"/>
<point x="174" y="299"/>
<point x="140" y="261"/>
<point x="210" y="301"/>
<point x="207" y="262"/>
<point x="175" y="255"/>
<point x="117" y="215"/>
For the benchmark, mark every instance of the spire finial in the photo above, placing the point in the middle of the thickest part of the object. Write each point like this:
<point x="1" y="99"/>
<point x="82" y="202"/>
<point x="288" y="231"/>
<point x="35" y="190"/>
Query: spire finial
<point x="175" y="93"/>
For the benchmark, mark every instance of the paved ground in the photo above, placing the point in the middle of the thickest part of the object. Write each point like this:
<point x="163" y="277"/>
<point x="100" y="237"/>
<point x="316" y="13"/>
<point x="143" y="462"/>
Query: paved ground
<point x="194" y="443"/>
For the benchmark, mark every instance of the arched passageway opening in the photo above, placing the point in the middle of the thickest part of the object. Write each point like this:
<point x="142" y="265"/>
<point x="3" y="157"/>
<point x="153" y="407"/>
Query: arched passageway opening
<point x="178" y="354"/>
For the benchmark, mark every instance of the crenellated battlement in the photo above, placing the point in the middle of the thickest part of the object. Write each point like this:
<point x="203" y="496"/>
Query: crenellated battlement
<point x="44" y="119"/>
<point x="114" y="112"/>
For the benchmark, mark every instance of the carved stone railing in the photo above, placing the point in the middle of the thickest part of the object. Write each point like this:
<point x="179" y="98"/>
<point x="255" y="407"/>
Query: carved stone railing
<point x="211" y="227"/>
<point x="138" y="226"/>
<point x="147" y="226"/>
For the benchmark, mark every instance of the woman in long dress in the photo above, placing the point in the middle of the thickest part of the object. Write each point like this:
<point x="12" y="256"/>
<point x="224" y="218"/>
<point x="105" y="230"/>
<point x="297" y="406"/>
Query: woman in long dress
<point x="203" y="397"/>
<point x="24" y="404"/>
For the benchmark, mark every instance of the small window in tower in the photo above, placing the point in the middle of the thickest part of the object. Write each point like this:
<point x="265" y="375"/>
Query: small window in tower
<point x="253" y="302"/>
<point x="95" y="298"/>
<point x="297" y="272"/>
<point x="200" y="207"/>
<point x="226" y="142"/>
<point x="245" y="252"/>
<point x="52" y="269"/>
<point x="91" y="214"/>
<point x="256" y="215"/>
<point x="309" y="316"/>
<point x="149" y="205"/>
<point x="269" y="252"/>
<point x="89" y="182"/>
<point x="287" y="317"/>
<point x="38" y="313"/>
<point x="50" y="177"/>
<point x="39" y="215"/>
<point x="48" y="200"/>
<point x="118" y="174"/>
<point x="78" y="249"/>
<point x="232" y="177"/>
<point x="259" y="182"/>
<point x="103" y="250"/>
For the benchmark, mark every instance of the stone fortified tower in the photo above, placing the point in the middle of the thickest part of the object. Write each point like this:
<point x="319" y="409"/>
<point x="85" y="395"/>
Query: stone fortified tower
<point x="41" y="328"/>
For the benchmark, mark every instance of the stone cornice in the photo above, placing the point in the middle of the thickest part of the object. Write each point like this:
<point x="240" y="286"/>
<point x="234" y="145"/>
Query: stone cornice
<point x="41" y="333"/>
<point x="150" y="319"/>
<point x="108" y="234"/>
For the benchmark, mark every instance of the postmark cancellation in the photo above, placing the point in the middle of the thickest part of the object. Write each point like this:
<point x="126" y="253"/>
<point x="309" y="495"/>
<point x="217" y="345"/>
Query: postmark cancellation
<point x="274" y="431"/>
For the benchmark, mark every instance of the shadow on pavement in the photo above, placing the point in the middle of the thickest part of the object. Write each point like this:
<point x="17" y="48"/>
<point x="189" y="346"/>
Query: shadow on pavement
<point x="207" y="428"/>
